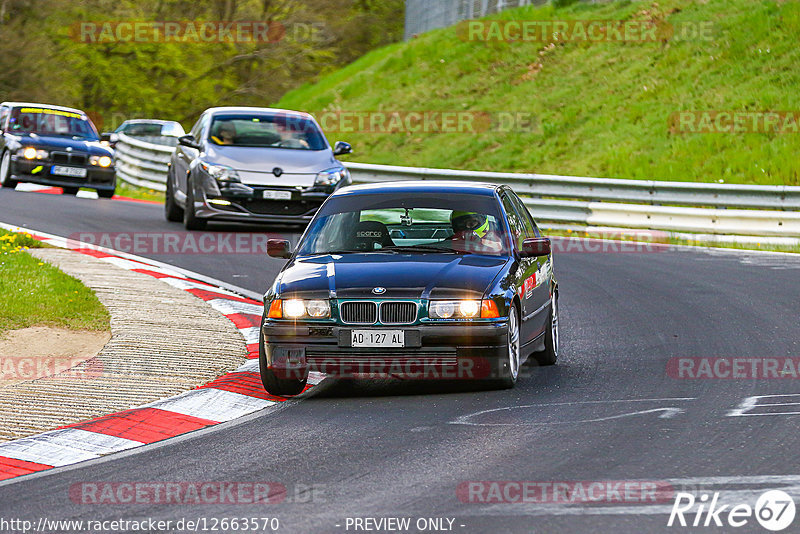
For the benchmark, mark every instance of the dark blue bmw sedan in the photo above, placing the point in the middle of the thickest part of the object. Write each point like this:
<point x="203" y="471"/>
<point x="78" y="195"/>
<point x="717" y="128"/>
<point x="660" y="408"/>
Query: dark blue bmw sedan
<point x="420" y="280"/>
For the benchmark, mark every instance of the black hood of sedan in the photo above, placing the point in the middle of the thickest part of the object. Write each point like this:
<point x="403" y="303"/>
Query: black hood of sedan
<point x="55" y="142"/>
<point x="403" y="275"/>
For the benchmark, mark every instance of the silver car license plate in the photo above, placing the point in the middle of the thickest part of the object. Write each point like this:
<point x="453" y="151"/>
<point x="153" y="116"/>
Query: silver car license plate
<point x="276" y="195"/>
<point x="76" y="172"/>
<point x="378" y="338"/>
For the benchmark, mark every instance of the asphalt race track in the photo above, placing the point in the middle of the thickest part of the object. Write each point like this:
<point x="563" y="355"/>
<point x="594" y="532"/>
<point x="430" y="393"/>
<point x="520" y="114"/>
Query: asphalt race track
<point x="609" y="411"/>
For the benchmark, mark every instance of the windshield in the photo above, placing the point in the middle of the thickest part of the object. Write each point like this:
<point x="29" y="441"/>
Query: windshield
<point x="275" y="131"/>
<point x="458" y="224"/>
<point x="45" y="121"/>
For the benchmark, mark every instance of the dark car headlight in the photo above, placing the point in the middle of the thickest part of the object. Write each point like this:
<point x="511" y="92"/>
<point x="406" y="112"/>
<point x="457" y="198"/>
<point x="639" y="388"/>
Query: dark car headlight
<point x="332" y="176"/>
<point x="30" y="152"/>
<point x="462" y="309"/>
<point x="299" y="309"/>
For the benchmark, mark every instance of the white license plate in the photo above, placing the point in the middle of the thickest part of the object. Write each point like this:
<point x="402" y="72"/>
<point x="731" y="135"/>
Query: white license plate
<point x="68" y="171"/>
<point x="276" y="195"/>
<point x="378" y="338"/>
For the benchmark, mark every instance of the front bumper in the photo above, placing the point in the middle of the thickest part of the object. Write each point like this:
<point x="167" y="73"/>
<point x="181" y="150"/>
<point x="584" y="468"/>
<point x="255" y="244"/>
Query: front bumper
<point x="39" y="172"/>
<point x="245" y="203"/>
<point x="471" y="351"/>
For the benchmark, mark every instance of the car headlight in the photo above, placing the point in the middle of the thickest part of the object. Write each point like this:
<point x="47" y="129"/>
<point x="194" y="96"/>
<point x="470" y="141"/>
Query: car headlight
<point x="462" y="309"/>
<point x="221" y="173"/>
<point x="332" y="176"/>
<point x="299" y="308"/>
<point x="33" y="153"/>
<point x="101" y="161"/>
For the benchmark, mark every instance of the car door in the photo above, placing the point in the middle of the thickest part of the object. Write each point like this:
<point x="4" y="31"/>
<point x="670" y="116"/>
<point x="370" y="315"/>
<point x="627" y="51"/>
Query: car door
<point x="526" y="273"/>
<point x="540" y="297"/>
<point x="5" y="111"/>
<point x="184" y="155"/>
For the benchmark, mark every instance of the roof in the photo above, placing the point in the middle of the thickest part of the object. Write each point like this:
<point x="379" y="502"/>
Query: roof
<point x="245" y="109"/>
<point x="421" y="186"/>
<point x="39" y="105"/>
<point x="149" y="121"/>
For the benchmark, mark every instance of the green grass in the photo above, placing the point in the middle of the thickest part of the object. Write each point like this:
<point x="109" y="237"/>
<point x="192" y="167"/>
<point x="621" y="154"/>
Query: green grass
<point x="601" y="109"/>
<point x="34" y="293"/>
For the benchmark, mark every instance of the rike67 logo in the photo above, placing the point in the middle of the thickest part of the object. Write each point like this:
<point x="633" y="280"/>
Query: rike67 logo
<point x="774" y="510"/>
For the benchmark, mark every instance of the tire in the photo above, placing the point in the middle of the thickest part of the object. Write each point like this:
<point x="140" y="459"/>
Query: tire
<point x="508" y="368"/>
<point x="283" y="387"/>
<point x="172" y="211"/>
<point x="549" y="355"/>
<point x="104" y="193"/>
<point x="190" y="221"/>
<point x="5" y="172"/>
<point x="72" y="191"/>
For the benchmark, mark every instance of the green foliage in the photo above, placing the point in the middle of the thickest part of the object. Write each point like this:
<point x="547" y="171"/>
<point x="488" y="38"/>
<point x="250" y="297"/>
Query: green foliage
<point x="601" y="109"/>
<point x="44" y="58"/>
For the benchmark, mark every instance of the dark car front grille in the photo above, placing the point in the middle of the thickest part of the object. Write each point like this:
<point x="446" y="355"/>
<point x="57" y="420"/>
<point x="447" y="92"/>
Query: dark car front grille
<point x="398" y="312"/>
<point x="69" y="158"/>
<point x="281" y="207"/>
<point x="359" y="312"/>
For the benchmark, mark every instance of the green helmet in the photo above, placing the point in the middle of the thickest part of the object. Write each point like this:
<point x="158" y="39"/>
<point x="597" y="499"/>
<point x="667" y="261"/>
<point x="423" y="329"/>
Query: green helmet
<point x="469" y="220"/>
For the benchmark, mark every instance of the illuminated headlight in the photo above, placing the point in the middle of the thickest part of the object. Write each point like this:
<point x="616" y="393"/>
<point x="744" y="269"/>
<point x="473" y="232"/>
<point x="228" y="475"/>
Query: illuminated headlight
<point x="316" y="309"/>
<point x="332" y="176"/>
<point x="32" y="153"/>
<point x="454" y="309"/>
<point x="221" y="173"/>
<point x="101" y="161"/>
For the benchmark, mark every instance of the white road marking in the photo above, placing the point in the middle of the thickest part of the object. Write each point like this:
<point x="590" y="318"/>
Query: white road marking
<point x="667" y="412"/>
<point x="65" y="446"/>
<point x="212" y="404"/>
<point x="229" y="307"/>
<point x="250" y="334"/>
<point x="751" y="403"/>
<point x="132" y="265"/>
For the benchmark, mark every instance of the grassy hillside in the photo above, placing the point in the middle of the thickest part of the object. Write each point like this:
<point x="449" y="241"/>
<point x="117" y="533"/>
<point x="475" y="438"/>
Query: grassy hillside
<point x="602" y="109"/>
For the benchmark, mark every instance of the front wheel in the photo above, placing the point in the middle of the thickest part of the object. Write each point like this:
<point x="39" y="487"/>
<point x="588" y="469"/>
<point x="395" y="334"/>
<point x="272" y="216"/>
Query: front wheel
<point x="72" y="191"/>
<point x="190" y="220"/>
<point x="5" y="172"/>
<point x="105" y="193"/>
<point x="508" y="368"/>
<point x="283" y="387"/>
<point x="172" y="211"/>
<point x="549" y="355"/>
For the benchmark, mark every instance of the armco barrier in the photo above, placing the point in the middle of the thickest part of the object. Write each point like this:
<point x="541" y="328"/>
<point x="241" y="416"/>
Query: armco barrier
<point x="710" y="208"/>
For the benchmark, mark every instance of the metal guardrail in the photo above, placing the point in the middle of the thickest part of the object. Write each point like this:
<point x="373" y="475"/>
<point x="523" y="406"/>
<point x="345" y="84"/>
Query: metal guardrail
<point x="142" y="163"/>
<point x="707" y="208"/>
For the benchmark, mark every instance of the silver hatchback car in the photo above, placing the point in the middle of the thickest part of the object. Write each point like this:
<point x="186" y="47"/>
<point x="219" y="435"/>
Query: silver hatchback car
<point x="252" y="165"/>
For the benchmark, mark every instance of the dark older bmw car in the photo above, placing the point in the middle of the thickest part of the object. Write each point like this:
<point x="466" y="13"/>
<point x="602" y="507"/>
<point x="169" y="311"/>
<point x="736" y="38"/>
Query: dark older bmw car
<point x="53" y="145"/>
<point x="412" y="279"/>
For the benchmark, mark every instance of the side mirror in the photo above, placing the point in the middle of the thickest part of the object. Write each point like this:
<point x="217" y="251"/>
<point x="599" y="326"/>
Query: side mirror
<point x="278" y="248"/>
<point x="341" y="148"/>
<point x="535" y="247"/>
<point x="188" y="140"/>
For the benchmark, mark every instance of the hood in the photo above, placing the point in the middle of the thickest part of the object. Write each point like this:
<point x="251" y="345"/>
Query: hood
<point x="55" y="142"/>
<point x="255" y="164"/>
<point x="403" y="276"/>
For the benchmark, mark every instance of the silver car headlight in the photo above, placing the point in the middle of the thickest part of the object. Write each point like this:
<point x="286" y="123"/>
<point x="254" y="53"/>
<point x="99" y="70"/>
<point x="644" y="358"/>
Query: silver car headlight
<point x="221" y="173"/>
<point x="332" y="176"/>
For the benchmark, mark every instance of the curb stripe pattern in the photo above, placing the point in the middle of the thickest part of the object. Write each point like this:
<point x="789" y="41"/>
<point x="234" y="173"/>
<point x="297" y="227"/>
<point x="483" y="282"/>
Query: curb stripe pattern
<point x="233" y="395"/>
